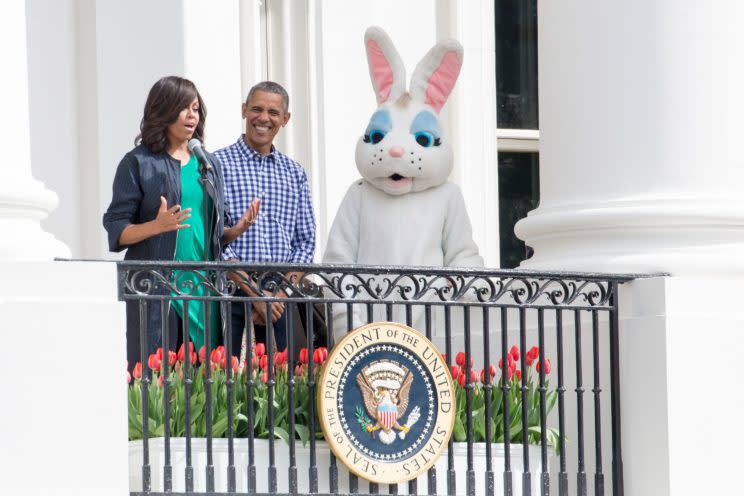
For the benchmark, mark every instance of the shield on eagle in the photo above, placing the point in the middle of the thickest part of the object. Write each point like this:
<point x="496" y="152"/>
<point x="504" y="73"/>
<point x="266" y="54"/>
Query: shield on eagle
<point x="387" y="414"/>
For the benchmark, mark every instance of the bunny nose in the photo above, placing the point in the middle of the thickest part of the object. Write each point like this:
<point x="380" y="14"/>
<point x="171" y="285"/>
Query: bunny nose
<point x="396" y="151"/>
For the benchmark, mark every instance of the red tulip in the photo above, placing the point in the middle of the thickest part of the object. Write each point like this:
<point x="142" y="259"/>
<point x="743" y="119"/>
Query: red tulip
<point x="303" y="355"/>
<point x="320" y="355"/>
<point x="491" y="374"/>
<point x="137" y="371"/>
<point x="460" y="359"/>
<point x="171" y="358"/>
<point x="159" y="353"/>
<point x="217" y="354"/>
<point x="129" y="377"/>
<point x="264" y="361"/>
<point x="233" y="361"/>
<point x="514" y="352"/>
<point x="299" y="370"/>
<point x="509" y="362"/>
<point x="456" y="371"/>
<point x="181" y="355"/>
<point x="280" y="358"/>
<point x="461" y="380"/>
<point x="473" y="376"/>
<point x="154" y="362"/>
<point x="532" y="355"/>
<point x="203" y="354"/>
<point x="547" y="366"/>
<point x="260" y="349"/>
<point x="265" y="376"/>
<point x="160" y="381"/>
<point x="518" y="374"/>
<point x="255" y="362"/>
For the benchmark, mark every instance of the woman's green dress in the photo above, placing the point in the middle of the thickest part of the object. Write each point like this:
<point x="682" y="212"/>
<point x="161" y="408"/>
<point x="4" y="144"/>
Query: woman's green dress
<point x="191" y="246"/>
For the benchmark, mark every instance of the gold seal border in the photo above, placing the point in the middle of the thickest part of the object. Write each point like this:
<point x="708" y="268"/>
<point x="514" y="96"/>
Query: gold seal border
<point x="386" y="477"/>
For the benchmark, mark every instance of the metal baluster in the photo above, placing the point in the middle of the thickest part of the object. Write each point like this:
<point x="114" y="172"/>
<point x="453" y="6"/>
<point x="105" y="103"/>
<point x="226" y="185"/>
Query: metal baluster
<point x="389" y="312"/>
<point x="165" y="375"/>
<point x="617" y="451"/>
<point x="505" y="388"/>
<point x="188" y="383"/>
<point x="353" y="479"/>
<point x="313" y="469"/>
<point x="562" y="475"/>
<point x="333" y="468"/>
<point x="373" y="487"/>
<point x="469" y="386"/>
<point x="598" y="475"/>
<point x="144" y="385"/>
<point x="230" y="383"/>
<point x="249" y="385"/>
<point x="487" y="386"/>
<point x="526" y="475"/>
<point x="432" y="473"/>
<point x="208" y="390"/>
<point x="581" y="474"/>
<point x="544" y="477"/>
<point x="451" y="481"/>
<point x="412" y="486"/>
<point x="290" y="310"/>
<point x="270" y="343"/>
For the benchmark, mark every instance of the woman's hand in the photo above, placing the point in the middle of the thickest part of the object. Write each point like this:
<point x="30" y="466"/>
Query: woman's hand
<point x="246" y="221"/>
<point x="170" y="219"/>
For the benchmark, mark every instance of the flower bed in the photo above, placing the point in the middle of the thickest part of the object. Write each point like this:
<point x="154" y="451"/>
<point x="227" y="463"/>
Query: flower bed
<point x="258" y="371"/>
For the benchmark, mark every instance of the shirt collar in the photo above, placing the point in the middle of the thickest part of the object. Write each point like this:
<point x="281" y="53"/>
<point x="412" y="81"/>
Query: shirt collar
<point x="250" y="152"/>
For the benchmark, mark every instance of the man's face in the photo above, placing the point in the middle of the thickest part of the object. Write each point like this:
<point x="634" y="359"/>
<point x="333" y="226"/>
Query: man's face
<point x="264" y="115"/>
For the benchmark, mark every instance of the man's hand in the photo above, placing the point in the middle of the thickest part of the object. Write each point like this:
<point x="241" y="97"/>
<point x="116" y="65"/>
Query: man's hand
<point x="246" y="221"/>
<point x="250" y="215"/>
<point x="259" y="311"/>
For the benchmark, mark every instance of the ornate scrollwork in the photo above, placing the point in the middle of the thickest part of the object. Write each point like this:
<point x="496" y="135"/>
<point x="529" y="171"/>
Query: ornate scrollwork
<point x="366" y="284"/>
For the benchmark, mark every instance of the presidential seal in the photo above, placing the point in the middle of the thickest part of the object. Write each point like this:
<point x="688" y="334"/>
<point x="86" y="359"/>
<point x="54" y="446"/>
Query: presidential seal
<point x="386" y="402"/>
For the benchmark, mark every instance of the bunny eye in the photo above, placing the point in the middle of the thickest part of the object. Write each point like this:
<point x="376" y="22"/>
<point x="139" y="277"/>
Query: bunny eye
<point x="425" y="139"/>
<point x="376" y="136"/>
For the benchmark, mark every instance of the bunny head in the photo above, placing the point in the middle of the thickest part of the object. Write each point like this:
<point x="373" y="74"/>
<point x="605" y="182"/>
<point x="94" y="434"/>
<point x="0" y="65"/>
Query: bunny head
<point x="403" y="149"/>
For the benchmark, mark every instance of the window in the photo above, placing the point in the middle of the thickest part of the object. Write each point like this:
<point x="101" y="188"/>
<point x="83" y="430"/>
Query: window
<point x="517" y="116"/>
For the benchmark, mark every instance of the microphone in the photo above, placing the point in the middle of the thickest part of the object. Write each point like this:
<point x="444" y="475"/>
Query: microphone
<point x="195" y="147"/>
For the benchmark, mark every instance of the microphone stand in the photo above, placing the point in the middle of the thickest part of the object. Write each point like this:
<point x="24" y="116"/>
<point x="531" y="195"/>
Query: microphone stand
<point x="208" y="218"/>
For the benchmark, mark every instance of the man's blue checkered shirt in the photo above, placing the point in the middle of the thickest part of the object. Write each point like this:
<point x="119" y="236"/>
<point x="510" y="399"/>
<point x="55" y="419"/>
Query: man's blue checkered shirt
<point x="285" y="229"/>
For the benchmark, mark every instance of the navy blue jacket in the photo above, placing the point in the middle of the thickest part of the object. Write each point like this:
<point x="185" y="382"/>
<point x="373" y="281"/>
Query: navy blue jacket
<point x="141" y="179"/>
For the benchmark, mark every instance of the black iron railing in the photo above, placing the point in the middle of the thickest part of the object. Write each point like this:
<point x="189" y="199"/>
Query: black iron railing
<point x="481" y="312"/>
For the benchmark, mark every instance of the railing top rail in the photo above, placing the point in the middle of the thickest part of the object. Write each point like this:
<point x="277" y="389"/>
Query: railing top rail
<point x="388" y="269"/>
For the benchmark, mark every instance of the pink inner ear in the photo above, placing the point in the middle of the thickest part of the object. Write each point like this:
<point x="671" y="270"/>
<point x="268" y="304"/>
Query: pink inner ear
<point x="382" y="73"/>
<point x="442" y="80"/>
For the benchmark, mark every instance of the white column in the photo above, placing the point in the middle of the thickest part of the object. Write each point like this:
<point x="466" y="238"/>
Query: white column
<point x="641" y="171"/>
<point x="24" y="201"/>
<point x="63" y="423"/>
<point x="640" y="118"/>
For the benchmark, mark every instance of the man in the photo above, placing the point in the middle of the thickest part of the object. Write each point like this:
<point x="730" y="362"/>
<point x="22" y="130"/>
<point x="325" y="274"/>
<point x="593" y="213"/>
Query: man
<point x="257" y="173"/>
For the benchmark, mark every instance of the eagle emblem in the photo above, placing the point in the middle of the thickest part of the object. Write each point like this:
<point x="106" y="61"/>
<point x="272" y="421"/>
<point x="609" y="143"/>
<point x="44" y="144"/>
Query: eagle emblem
<point x="385" y="387"/>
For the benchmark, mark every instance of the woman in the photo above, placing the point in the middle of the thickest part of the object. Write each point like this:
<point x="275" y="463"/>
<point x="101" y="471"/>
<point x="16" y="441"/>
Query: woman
<point x="156" y="211"/>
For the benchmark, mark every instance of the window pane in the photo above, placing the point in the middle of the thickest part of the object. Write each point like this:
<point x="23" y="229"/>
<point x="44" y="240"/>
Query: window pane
<point x="518" y="194"/>
<point x="516" y="63"/>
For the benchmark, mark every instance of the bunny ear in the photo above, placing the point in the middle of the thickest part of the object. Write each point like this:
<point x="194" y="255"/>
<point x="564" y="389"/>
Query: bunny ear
<point x="385" y="65"/>
<point x="436" y="74"/>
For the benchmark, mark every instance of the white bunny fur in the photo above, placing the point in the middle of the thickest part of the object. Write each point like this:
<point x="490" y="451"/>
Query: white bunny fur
<point x="419" y="220"/>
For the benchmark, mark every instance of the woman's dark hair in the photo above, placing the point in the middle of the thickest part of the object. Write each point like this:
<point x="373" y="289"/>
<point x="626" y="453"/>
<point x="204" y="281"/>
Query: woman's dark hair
<point x="167" y="98"/>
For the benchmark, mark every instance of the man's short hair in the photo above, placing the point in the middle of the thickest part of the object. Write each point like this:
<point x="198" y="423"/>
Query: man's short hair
<point x="270" y="87"/>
